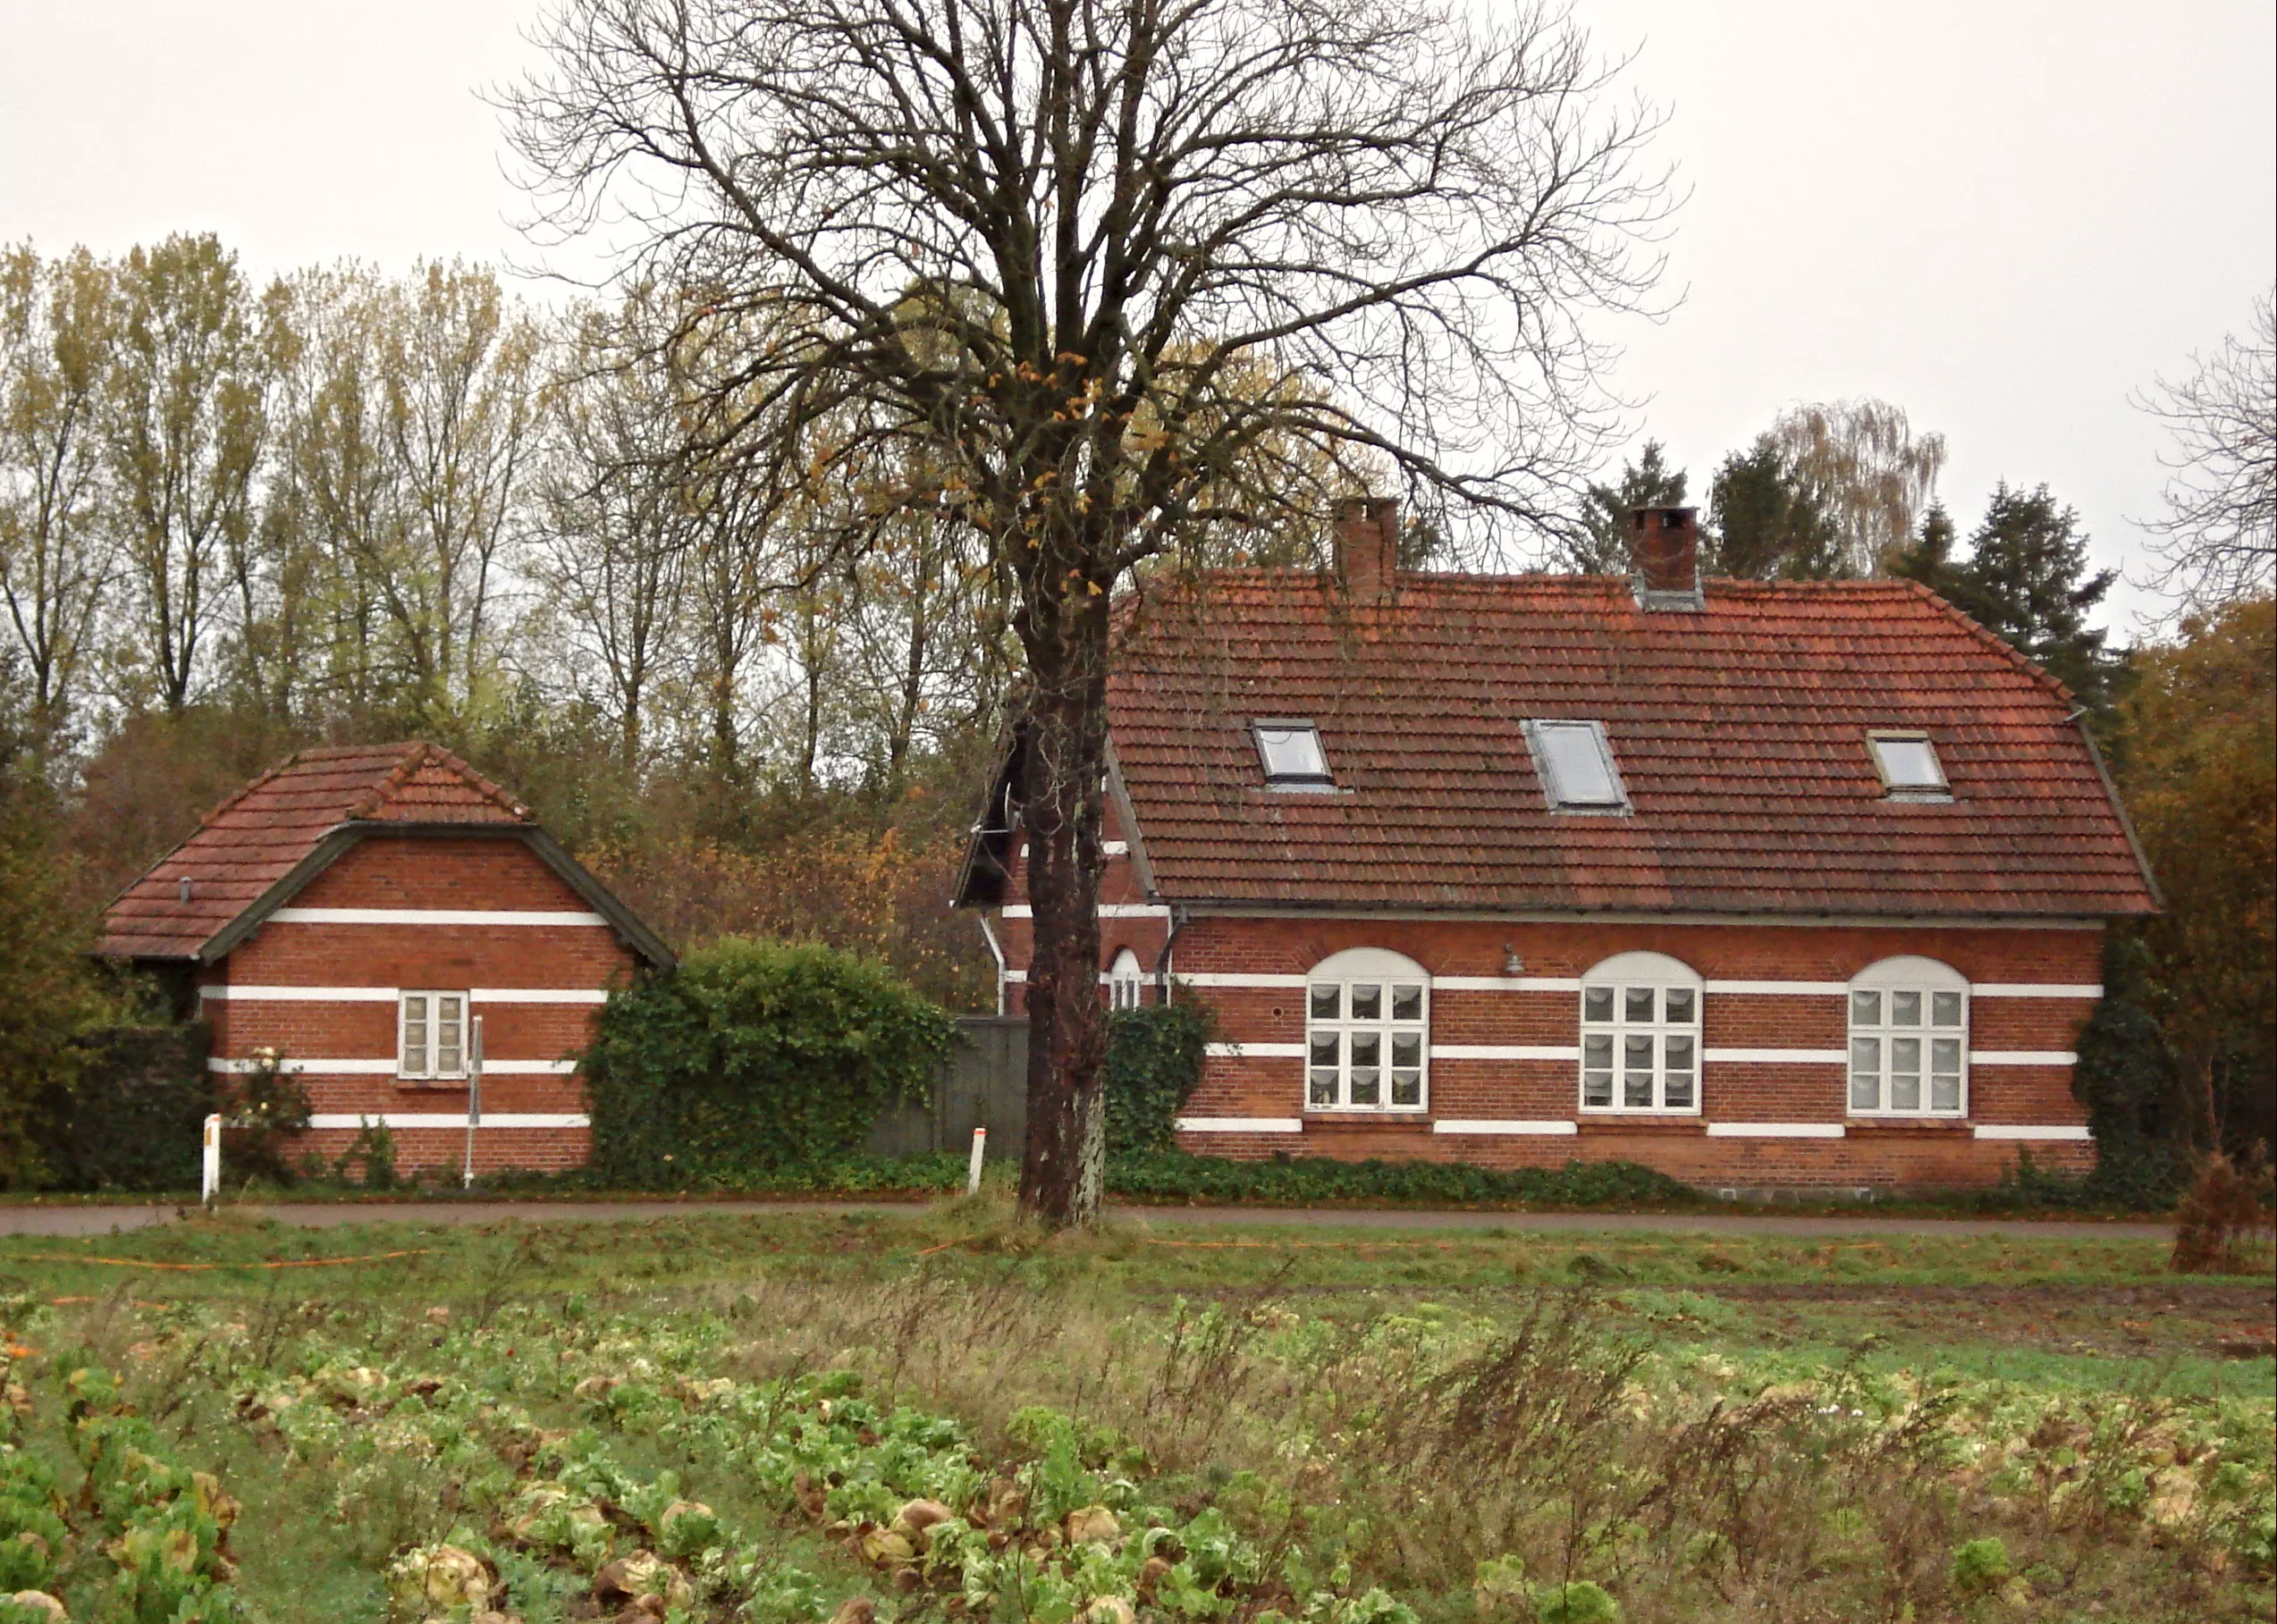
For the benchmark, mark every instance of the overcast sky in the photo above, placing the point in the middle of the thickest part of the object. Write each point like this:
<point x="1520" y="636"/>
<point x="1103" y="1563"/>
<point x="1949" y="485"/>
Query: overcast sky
<point x="2001" y="216"/>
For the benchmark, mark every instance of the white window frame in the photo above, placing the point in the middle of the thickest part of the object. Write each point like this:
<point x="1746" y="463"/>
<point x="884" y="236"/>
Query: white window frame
<point x="1606" y="1038"/>
<point x="1324" y="779"/>
<point x="1384" y="971"/>
<point x="1942" y="790"/>
<point x="1126" y="982"/>
<point x="1888" y="984"/>
<point x="422" y="1067"/>
<point x="1537" y="732"/>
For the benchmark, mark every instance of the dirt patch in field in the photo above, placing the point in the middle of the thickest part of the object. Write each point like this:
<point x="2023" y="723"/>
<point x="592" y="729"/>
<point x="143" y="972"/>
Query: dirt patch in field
<point x="2209" y="1319"/>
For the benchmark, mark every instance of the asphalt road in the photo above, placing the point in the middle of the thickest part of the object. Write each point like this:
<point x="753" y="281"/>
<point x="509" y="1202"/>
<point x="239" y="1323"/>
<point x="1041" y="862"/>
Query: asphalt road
<point x="82" y="1221"/>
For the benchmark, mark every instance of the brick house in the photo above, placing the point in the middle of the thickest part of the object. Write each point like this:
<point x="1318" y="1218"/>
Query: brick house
<point x="1763" y="884"/>
<point x="357" y="909"/>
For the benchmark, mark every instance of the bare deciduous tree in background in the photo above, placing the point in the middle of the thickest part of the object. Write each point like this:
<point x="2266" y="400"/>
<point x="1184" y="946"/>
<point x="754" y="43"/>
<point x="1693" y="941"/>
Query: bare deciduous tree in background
<point x="2217" y="541"/>
<point x="1041" y="236"/>
<point x="1862" y="466"/>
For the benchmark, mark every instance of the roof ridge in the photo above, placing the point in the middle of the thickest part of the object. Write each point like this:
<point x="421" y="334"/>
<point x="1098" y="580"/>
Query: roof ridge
<point x="1985" y="635"/>
<point x="418" y="753"/>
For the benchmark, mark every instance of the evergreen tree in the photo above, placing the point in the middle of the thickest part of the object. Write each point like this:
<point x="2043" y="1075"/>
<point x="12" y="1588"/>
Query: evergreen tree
<point x="1602" y="547"/>
<point x="2026" y="577"/>
<point x="1763" y="524"/>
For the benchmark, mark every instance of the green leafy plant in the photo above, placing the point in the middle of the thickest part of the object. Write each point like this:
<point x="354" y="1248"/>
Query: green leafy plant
<point x="752" y="1058"/>
<point x="372" y="1153"/>
<point x="1979" y="1565"/>
<point x="1577" y="1601"/>
<point x="1154" y="1058"/>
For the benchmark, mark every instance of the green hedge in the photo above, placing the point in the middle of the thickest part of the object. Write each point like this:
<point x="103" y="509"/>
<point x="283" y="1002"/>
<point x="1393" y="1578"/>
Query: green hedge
<point x="750" y="1060"/>
<point x="1173" y="1176"/>
<point x="133" y="1115"/>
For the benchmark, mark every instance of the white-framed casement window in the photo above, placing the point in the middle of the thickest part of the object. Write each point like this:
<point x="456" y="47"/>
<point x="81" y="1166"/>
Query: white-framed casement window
<point x="1126" y="982"/>
<point x="1640" y="1036"/>
<point x="1367" y="1033"/>
<point x="431" y="1035"/>
<point x="1909" y="1040"/>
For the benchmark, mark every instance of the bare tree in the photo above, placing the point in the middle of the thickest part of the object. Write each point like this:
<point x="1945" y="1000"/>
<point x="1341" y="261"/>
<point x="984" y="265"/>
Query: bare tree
<point x="2218" y="538"/>
<point x="57" y="326"/>
<point x="615" y="527"/>
<point x="1861" y="466"/>
<point x="1042" y="236"/>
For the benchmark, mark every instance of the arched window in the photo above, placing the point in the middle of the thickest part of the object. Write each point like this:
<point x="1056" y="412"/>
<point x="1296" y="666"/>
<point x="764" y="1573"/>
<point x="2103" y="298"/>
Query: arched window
<point x="1126" y="980"/>
<point x="1367" y="1033"/>
<point x="1640" y="1035"/>
<point x="1909" y="1040"/>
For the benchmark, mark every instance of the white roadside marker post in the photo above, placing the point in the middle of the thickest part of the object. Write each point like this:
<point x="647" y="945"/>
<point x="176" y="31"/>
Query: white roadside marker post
<point x="973" y="1169"/>
<point x="474" y="1096"/>
<point x="209" y="1175"/>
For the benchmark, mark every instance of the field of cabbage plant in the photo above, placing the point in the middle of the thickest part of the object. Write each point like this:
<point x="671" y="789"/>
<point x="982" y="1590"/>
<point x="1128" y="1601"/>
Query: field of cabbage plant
<point x="801" y="1422"/>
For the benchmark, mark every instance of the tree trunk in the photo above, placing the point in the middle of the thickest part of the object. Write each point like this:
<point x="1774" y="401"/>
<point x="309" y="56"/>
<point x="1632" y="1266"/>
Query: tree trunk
<point x="1063" y="1169"/>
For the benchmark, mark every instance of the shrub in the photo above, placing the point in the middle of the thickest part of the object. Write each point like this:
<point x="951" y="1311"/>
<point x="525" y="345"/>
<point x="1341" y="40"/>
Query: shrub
<point x="1579" y="1602"/>
<point x="131" y="1112"/>
<point x="1978" y="1566"/>
<point x="750" y="1058"/>
<point x="2227" y="1205"/>
<point x="1153" y="1061"/>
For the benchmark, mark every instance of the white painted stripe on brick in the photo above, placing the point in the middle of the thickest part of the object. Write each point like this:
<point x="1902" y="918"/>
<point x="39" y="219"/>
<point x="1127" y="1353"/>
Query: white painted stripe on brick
<point x="2009" y="1131"/>
<point x="1792" y="989"/>
<point x="2023" y="1056"/>
<point x="433" y="916"/>
<point x="1776" y="1057"/>
<point x="445" y="1119"/>
<point x="2036" y="989"/>
<point x="1776" y="1130"/>
<point x="1256" y="1051"/>
<point x="1506" y="1051"/>
<point x="1239" y="1124"/>
<point x="1107" y="910"/>
<point x="538" y="995"/>
<point x="1444" y="1125"/>
<point x="1506" y="983"/>
<point x="1241" y="978"/>
<point x="294" y="1064"/>
<point x="388" y="995"/>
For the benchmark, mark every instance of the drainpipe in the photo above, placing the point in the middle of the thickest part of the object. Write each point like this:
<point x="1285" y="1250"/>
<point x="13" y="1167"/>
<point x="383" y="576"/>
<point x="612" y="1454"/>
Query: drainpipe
<point x="1179" y="918"/>
<point x="996" y="952"/>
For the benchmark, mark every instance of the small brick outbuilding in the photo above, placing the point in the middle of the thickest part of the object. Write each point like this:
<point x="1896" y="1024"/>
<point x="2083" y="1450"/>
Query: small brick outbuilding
<point x="1765" y="884"/>
<point x="357" y="909"/>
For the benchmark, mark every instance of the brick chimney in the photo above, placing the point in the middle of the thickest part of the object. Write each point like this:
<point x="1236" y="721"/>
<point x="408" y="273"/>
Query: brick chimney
<point x="1367" y="542"/>
<point x="1664" y="549"/>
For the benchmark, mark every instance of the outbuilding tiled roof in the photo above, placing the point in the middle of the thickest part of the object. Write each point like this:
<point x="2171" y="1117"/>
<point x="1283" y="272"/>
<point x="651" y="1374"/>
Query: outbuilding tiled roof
<point x="259" y="835"/>
<point x="1740" y="730"/>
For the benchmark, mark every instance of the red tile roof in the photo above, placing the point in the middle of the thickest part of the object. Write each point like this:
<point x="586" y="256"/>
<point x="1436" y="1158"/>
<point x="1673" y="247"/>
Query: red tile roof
<point x="1739" y="731"/>
<point x="257" y="835"/>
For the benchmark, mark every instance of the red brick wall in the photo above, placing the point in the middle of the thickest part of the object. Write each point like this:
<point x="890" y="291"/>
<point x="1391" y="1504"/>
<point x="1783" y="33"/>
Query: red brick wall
<point x="427" y="873"/>
<point x="1883" y="1152"/>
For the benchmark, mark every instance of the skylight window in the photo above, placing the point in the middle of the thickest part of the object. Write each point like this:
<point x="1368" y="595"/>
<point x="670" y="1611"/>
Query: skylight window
<point x="1908" y="763"/>
<point x="1292" y="755"/>
<point x="1576" y="766"/>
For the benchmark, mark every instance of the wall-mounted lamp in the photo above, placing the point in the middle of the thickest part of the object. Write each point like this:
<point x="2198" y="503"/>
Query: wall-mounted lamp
<point x="1512" y="964"/>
